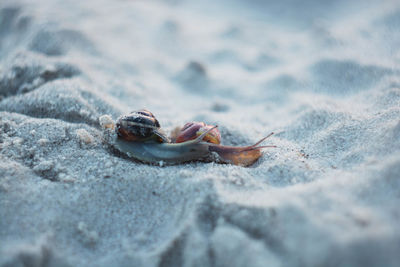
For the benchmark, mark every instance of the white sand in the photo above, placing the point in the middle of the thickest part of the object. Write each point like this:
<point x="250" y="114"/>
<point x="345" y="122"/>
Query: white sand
<point x="325" y="74"/>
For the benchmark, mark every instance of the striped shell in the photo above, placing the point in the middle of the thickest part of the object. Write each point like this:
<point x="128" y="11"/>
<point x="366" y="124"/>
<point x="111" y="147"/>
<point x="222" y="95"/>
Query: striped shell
<point x="139" y="126"/>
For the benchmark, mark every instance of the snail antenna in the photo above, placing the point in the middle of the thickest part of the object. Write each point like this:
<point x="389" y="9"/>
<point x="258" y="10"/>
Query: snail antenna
<point x="255" y="146"/>
<point x="262" y="140"/>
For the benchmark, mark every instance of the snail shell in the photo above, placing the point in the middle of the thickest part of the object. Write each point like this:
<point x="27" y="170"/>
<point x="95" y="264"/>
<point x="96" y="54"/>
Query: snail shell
<point x="192" y="130"/>
<point x="140" y="125"/>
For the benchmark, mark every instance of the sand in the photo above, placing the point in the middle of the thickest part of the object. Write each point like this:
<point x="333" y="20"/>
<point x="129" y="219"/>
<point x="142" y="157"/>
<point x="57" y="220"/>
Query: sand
<point x="323" y="76"/>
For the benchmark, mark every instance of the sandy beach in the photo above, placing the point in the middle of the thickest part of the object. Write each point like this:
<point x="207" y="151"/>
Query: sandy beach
<point x="324" y="76"/>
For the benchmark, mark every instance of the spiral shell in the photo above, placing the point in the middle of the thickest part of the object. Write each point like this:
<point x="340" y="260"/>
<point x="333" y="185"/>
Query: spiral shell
<point x="139" y="126"/>
<point x="192" y="130"/>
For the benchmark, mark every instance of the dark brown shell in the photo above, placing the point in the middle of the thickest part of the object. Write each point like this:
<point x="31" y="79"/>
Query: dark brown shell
<point x="138" y="126"/>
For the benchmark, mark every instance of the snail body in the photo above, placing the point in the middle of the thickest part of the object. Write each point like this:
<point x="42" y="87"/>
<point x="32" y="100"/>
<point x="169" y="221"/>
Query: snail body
<point x="169" y="153"/>
<point x="139" y="137"/>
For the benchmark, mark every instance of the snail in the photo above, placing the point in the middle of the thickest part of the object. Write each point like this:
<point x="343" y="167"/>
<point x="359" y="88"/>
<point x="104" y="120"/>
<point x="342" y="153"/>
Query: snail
<point x="140" y="137"/>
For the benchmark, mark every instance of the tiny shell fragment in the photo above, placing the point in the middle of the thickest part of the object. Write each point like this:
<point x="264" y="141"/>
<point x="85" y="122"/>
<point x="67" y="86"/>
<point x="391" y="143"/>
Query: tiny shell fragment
<point x="106" y="122"/>
<point x="43" y="141"/>
<point x="84" y="136"/>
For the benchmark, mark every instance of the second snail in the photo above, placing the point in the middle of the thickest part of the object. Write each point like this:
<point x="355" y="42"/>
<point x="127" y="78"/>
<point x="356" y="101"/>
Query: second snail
<point x="139" y="136"/>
